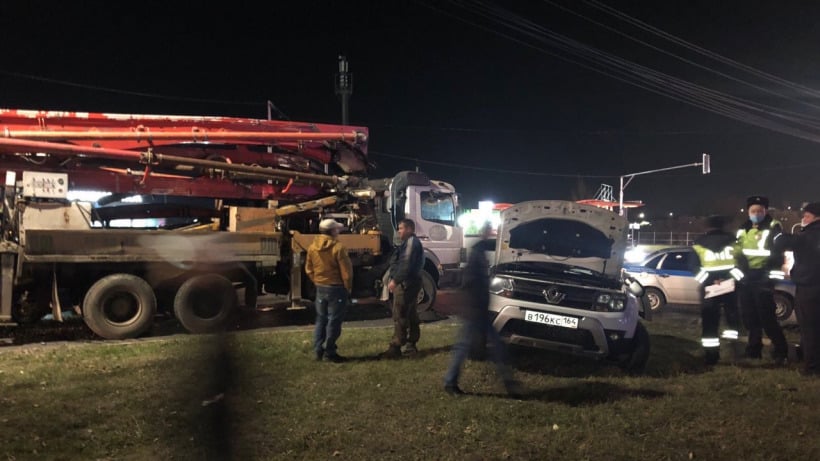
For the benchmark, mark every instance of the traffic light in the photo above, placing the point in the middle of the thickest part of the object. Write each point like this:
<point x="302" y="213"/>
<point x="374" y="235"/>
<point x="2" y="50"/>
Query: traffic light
<point x="707" y="168"/>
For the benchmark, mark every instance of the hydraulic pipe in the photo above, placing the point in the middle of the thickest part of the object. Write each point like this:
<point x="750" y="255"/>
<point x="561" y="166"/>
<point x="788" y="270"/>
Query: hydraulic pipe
<point x="188" y="136"/>
<point x="151" y="158"/>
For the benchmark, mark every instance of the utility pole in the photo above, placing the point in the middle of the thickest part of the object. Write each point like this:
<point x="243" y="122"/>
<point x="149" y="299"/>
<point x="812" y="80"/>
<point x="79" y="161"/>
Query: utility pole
<point x="344" y="87"/>
<point x="705" y="163"/>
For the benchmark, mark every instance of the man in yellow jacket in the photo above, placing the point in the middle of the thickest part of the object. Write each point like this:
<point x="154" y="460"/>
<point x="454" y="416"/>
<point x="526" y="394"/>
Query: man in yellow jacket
<point x="328" y="267"/>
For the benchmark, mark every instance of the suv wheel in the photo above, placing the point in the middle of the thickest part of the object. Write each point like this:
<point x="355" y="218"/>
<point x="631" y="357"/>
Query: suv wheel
<point x="634" y="361"/>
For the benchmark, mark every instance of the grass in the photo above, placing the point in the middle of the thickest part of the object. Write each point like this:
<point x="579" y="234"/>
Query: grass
<point x="259" y="395"/>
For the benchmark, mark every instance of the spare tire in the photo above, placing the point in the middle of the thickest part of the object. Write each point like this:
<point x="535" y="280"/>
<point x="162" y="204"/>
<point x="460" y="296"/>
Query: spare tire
<point x="204" y="303"/>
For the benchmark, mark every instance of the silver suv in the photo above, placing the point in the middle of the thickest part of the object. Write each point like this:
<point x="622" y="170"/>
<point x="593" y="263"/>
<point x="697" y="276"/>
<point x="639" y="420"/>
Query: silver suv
<point x="557" y="283"/>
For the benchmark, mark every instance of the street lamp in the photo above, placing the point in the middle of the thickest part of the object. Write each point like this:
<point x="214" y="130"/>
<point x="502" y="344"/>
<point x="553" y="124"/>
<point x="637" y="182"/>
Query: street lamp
<point x="705" y="163"/>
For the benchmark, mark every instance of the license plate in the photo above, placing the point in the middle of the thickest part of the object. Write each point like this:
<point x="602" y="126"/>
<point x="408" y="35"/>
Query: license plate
<point x="551" y="319"/>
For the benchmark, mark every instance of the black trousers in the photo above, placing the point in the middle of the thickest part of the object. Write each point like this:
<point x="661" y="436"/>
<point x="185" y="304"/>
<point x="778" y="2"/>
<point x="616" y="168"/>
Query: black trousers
<point x="710" y="314"/>
<point x="807" y="306"/>
<point x="758" y="312"/>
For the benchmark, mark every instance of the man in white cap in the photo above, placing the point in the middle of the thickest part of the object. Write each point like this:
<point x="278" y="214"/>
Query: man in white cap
<point x="328" y="267"/>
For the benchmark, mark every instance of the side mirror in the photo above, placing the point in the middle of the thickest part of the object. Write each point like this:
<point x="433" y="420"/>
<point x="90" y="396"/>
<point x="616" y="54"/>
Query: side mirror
<point x="635" y="288"/>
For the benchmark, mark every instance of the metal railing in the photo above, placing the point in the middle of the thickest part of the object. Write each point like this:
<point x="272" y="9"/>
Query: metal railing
<point x="664" y="238"/>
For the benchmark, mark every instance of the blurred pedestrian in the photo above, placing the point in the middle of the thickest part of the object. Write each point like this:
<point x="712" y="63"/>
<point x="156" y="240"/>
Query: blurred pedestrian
<point x="328" y="267"/>
<point x="760" y="268"/>
<point x="406" y="265"/>
<point x="805" y="274"/>
<point x="476" y="320"/>
<point x="717" y="278"/>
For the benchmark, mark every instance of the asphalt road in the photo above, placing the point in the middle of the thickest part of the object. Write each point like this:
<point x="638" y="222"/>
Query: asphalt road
<point x="272" y="314"/>
<point x="268" y="317"/>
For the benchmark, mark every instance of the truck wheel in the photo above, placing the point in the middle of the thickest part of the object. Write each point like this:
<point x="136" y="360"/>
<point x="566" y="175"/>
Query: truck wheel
<point x="119" y="306"/>
<point x="204" y="302"/>
<point x="427" y="294"/>
<point x="634" y="362"/>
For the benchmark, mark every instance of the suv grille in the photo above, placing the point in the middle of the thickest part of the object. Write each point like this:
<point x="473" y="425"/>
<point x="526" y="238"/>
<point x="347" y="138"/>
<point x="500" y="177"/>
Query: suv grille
<point x="575" y="297"/>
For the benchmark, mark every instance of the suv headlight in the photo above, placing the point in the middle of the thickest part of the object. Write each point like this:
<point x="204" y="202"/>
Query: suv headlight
<point x="501" y="286"/>
<point x="610" y="302"/>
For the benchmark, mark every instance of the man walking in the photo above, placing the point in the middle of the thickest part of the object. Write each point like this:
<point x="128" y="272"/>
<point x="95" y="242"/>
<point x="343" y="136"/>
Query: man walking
<point x="328" y="267"/>
<point x="753" y="256"/>
<point x="717" y="277"/>
<point x="406" y="265"/>
<point x="806" y="276"/>
<point x="476" y="320"/>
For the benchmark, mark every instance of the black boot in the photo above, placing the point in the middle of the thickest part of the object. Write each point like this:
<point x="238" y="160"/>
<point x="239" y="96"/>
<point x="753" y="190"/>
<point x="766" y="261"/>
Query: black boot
<point x="392" y="352"/>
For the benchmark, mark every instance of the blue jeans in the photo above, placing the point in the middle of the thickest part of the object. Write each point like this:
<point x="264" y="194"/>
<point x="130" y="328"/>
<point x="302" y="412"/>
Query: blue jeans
<point x="477" y="322"/>
<point x="331" y="306"/>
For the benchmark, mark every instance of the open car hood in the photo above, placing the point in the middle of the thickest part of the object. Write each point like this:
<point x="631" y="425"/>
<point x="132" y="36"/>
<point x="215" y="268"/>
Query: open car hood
<point x="563" y="232"/>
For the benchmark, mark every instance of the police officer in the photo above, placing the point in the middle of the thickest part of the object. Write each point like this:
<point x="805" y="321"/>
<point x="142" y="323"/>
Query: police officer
<point x="760" y="268"/>
<point x="717" y="277"/>
<point x="806" y="276"/>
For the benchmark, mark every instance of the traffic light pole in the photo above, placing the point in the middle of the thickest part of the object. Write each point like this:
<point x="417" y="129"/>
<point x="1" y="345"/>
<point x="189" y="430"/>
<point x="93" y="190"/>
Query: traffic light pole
<point x="705" y="163"/>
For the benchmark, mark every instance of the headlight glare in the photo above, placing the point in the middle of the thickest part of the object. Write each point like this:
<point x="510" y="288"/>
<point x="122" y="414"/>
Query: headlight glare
<point x="501" y="286"/>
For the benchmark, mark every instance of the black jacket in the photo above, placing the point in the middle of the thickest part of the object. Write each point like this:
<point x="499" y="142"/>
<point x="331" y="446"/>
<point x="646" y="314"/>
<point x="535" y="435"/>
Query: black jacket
<point x="476" y="279"/>
<point x="407" y="261"/>
<point x="806" y="248"/>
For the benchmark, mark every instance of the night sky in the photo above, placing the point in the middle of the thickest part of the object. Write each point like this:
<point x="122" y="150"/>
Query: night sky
<point x="508" y="101"/>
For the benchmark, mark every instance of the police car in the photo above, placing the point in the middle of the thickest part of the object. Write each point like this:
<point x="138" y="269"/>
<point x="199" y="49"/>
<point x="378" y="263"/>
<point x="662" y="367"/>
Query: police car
<point x="668" y="277"/>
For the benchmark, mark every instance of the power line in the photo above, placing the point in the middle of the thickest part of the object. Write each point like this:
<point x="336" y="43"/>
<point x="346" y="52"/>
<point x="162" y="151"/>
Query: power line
<point x="133" y="93"/>
<point x="681" y="58"/>
<point x="481" y="168"/>
<point x="634" y="74"/>
<point x="640" y="24"/>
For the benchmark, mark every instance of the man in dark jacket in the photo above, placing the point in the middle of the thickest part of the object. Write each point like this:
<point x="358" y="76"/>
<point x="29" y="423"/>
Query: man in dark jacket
<point x="806" y="276"/>
<point x="717" y="278"/>
<point x="406" y="265"/>
<point x="760" y="268"/>
<point x="476" y="320"/>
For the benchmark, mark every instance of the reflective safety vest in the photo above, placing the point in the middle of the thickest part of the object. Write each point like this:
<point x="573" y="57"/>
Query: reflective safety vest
<point x="754" y="244"/>
<point x="712" y="262"/>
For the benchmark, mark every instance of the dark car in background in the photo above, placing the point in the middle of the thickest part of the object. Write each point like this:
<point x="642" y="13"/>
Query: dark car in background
<point x="668" y="276"/>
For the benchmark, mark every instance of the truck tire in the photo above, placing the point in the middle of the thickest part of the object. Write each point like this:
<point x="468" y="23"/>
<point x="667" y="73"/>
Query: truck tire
<point x="427" y="294"/>
<point x="204" y="303"/>
<point x="119" y="306"/>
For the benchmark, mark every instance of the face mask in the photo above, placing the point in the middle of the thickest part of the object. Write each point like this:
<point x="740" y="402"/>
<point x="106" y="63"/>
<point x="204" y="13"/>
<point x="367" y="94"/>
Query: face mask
<point x="756" y="219"/>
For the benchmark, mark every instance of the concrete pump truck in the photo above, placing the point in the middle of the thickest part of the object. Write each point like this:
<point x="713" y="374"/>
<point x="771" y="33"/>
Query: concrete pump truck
<point x="195" y="211"/>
